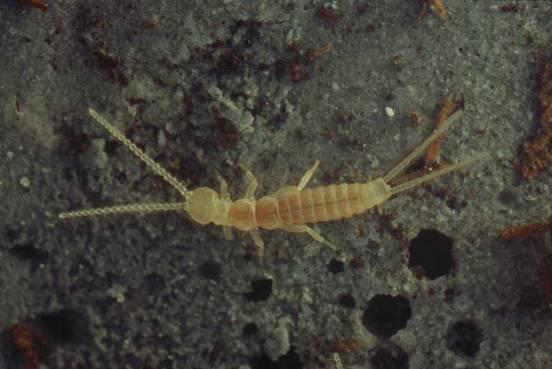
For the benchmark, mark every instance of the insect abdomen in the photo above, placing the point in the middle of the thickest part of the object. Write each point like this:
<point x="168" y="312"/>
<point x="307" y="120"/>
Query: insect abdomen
<point x="320" y="204"/>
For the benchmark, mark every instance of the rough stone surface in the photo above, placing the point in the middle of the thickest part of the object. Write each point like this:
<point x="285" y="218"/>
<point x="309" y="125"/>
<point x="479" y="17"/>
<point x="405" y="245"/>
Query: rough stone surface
<point x="204" y="85"/>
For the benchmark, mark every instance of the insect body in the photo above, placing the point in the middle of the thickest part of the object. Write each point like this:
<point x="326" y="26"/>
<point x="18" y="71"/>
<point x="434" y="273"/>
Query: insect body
<point x="290" y="209"/>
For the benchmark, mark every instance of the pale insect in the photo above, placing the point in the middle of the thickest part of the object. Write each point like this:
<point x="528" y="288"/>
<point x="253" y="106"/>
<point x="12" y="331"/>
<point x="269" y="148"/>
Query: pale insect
<point x="290" y="208"/>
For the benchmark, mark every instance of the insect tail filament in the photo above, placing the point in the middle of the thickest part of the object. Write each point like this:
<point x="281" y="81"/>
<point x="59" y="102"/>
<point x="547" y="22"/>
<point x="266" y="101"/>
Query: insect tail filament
<point x="438" y="173"/>
<point x="418" y="151"/>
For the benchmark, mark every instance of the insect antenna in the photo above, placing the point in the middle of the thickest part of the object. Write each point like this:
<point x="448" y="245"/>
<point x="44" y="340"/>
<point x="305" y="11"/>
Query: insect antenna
<point x="122" y="209"/>
<point x="159" y="170"/>
<point x="133" y="208"/>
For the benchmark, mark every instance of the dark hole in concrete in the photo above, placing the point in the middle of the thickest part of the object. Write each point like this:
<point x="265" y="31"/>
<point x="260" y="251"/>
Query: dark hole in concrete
<point x="250" y="329"/>
<point x="357" y="262"/>
<point x="431" y="254"/>
<point x="262" y="289"/>
<point x="388" y="358"/>
<point x="456" y="204"/>
<point x="290" y="360"/>
<point x="152" y="283"/>
<point x="508" y="197"/>
<point x="12" y="233"/>
<point x="28" y="252"/>
<point x="210" y="269"/>
<point x="385" y="315"/>
<point x="251" y="34"/>
<point x="111" y="147"/>
<point x="67" y="326"/>
<point x="451" y="199"/>
<point x="347" y="300"/>
<point x="336" y="266"/>
<point x="464" y="338"/>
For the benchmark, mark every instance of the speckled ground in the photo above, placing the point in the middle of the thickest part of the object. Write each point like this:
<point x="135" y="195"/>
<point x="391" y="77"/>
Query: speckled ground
<point x="275" y="85"/>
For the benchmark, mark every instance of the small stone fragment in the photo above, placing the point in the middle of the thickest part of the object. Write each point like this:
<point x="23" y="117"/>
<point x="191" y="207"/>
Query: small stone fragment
<point x="25" y="182"/>
<point x="278" y="343"/>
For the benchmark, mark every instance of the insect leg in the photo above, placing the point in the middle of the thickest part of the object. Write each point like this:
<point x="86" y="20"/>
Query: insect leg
<point x="226" y="196"/>
<point x="251" y="183"/>
<point x="223" y="188"/>
<point x="258" y="243"/>
<point x="228" y="235"/>
<point x="308" y="175"/>
<point x="302" y="228"/>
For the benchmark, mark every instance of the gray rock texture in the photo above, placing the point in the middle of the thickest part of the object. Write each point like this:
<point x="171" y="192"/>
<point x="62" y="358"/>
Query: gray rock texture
<point x="204" y="85"/>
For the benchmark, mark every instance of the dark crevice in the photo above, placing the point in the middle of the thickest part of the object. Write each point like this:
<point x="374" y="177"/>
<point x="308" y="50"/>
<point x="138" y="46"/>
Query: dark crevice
<point x="385" y="315"/>
<point x="464" y="338"/>
<point x="262" y="289"/>
<point x="430" y="254"/>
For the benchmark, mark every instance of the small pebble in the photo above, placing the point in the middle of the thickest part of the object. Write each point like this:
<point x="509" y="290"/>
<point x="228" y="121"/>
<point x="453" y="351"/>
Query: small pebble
<point x="277" y="344"/>
<point x="25" y="182"/>
<point x="161" y="139"/>
<point x="389" y="111"/>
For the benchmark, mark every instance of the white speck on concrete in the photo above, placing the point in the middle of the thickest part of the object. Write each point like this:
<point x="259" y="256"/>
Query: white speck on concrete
<point x="25" y="182"/>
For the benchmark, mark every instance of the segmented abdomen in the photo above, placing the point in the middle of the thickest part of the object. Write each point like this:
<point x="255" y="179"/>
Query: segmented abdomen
<point x="320" y="204"/>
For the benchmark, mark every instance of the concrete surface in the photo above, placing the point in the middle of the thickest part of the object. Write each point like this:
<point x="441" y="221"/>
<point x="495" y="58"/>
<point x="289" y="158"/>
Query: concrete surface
<point x="205" y="85"/>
